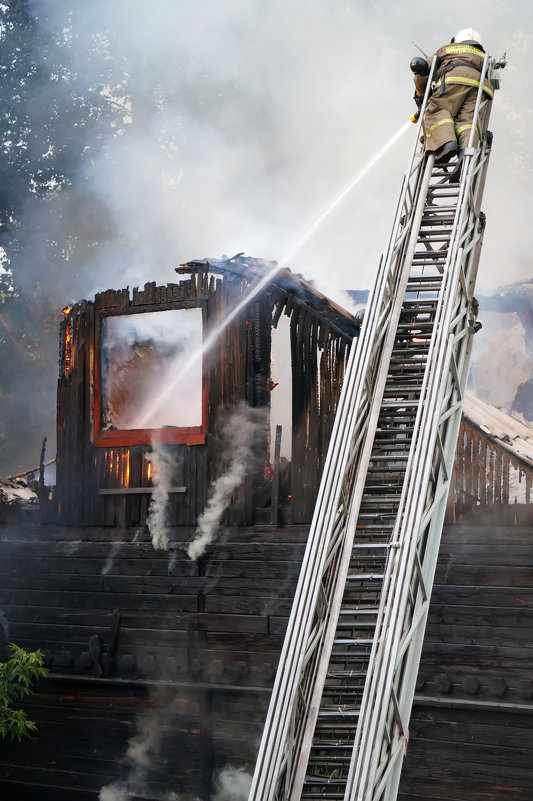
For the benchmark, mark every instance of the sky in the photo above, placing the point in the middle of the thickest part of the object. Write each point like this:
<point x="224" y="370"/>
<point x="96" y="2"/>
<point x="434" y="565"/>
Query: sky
<point x="270" y="108"/>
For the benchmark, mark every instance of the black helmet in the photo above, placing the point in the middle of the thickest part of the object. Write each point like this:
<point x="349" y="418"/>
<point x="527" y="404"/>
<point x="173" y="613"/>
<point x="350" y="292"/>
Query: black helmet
<point x="419" y="66"/>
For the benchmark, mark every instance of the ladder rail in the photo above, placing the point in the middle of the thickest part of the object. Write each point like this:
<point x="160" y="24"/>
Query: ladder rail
<point x="412" y="389"/>
<point x="340" y="463"/>
<point x="356" y="495"/>
<point x="390" y="783"/>
<point x="380" y="695"/>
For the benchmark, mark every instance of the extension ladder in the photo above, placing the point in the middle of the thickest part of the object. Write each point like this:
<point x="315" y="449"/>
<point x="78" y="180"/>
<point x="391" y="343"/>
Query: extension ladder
<point x="337" y="725"/>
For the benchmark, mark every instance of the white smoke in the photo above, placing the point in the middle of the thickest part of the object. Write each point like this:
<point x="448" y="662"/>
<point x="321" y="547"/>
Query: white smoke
<point x="164" y="466"/>
<point x="142" y="755"/>
<point x="206" y="167"/>
<point x="232" y="784"/>
<point x="109" y="562"/>
<point x="500" y="359"/>
<point x="239" y="435"/>
<point x="114" y="792"/>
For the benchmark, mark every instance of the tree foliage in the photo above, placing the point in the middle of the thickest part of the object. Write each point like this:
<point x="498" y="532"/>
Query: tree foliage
<point x="55" y="120"/>
<point x="17" y="676"/>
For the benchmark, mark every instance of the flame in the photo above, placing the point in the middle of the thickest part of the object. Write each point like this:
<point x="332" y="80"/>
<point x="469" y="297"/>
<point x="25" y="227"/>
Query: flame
<point x="149" y="470"/>
<point x="68" y="347"/>
<point x="67" y="310"/>
<point x="125" y="469"/>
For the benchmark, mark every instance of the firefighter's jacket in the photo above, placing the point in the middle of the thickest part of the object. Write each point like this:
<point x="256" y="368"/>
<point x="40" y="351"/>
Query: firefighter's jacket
<point x="450" y="108"/>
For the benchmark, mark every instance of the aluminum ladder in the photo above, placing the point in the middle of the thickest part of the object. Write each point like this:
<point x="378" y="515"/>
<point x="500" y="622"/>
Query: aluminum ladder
<point x="337" y="725"/>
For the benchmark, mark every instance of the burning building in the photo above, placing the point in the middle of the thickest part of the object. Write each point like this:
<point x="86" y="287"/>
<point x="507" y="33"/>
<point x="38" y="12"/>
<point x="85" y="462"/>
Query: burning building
<point x="162" y="664"/>
<point x="126" y="375"/>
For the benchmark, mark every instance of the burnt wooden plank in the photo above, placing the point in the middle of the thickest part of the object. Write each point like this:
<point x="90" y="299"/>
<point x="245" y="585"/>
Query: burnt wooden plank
<point x="479" y="635"/>
<point x="450" y="572"/>
<point x="490" y="617"/>
<point x="243" y="605"/>
<point x="231" y="623"/>
<point x="452" y="595"/>
<point x="485" y="655"/>
<point x="107" y="564"/>
<point x="106" y="601"/>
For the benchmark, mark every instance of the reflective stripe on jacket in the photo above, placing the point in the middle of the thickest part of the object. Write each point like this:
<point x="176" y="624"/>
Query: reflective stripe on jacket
<point x="452" y="77"/>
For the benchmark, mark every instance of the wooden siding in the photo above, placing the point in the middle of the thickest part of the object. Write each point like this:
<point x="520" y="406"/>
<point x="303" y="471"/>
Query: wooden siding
<point x="319" y="354"/>
<point x="488" y="481"/>
<point x="236" y="370"/>
<point x="233" y="373"/>
<point x="198" y="644"/>
<point x="136" y="637"/>
<point x="471" y="735"/>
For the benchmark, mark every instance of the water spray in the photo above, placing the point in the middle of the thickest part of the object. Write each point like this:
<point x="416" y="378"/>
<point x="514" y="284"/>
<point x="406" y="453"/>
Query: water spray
<point x="254" y="289"/>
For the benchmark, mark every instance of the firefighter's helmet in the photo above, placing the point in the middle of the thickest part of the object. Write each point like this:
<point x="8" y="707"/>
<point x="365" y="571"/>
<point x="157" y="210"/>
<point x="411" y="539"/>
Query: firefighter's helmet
<point x="467" y="35"/>
<point x="419" y="66"/>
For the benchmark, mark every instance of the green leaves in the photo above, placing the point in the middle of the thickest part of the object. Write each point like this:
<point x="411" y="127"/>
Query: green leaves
<point x="17" y="677"/>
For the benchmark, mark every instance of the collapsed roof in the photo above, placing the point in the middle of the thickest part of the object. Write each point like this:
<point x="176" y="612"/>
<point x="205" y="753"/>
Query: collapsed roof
<point x="512" y="434"/>
<point x="302" y="291"/>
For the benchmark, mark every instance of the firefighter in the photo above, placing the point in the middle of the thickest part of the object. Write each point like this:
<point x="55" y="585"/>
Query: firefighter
<point x="450" y="107"/>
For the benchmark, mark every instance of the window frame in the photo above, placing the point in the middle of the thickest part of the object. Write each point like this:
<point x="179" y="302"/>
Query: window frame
<point x="175" y="435"/>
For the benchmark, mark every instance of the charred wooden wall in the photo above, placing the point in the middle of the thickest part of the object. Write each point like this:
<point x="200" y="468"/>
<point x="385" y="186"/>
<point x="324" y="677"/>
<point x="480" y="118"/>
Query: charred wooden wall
<point x="235" y="370"/>
<point x="488" y="482"/>
<point x="319" y="353"/>
<point x="471" y="732"/>
<point x="136" y="637"/>
<point x="96" y="485"/>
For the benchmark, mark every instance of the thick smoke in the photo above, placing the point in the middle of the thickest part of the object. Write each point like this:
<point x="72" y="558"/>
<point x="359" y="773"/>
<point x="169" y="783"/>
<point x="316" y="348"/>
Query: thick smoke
<point x="164" y="467"/>
<point x="238" y="133"/>
<point x="505" y="345"/>
<point x="142" y="757"/>
<point x="232" y="784"/>
<point x="144" y="761"/>
<point x="240" y="434"/>
<point x="239" y="123"/>
<point x="501" y="343"/>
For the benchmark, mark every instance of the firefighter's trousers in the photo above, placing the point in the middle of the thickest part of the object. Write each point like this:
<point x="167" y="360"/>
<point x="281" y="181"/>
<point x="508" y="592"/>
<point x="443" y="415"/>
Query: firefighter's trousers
<point x="448" y="117"/>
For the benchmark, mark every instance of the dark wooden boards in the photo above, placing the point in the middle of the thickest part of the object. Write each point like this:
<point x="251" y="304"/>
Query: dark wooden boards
<point x="471" y="736"/>
<point x="211" y="633"/>
<point x="59" y="587"/>
<point x="98" y="469"/>
<point x="489" y="483"/>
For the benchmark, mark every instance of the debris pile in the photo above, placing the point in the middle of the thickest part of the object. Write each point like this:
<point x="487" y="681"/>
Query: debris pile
<point x="18" y="500"/>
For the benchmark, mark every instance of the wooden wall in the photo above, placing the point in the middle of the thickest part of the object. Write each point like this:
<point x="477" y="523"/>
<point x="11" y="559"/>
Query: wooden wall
<point x="136" y="637"/>
<point x="194" y="646"/>
<point x="236" y="369"/>
<point x="319" y="353"/>
<point x="471" y="733"/>
<point x="488" y="482"/>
